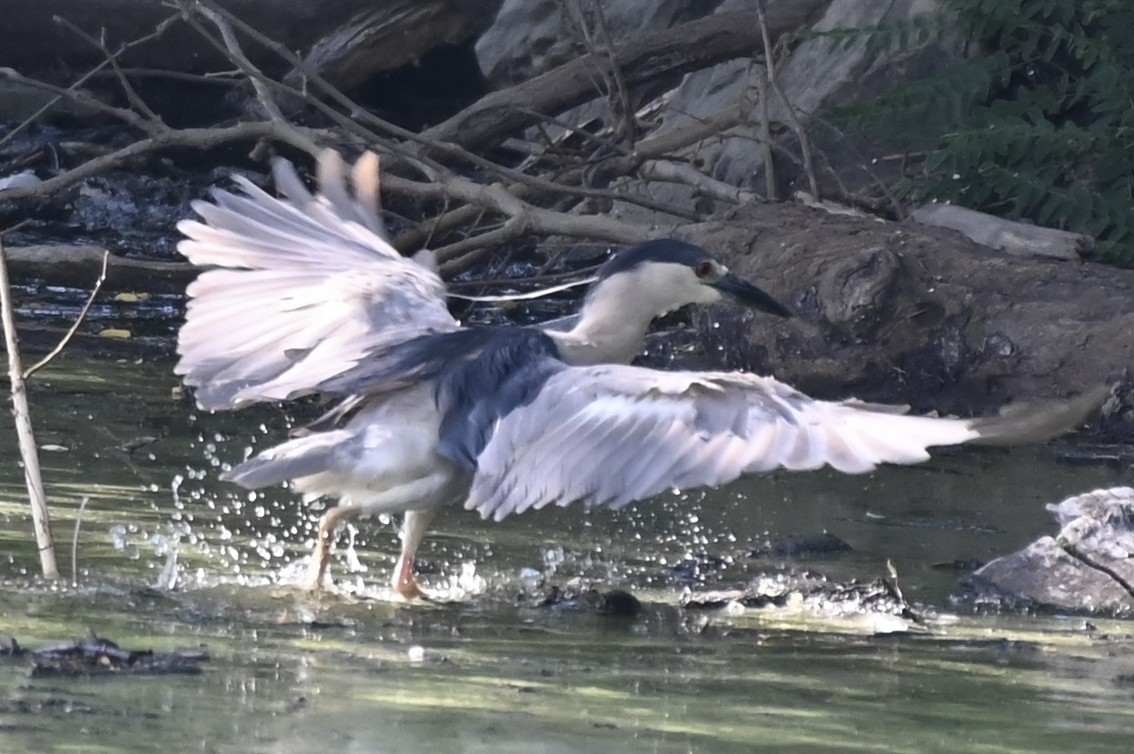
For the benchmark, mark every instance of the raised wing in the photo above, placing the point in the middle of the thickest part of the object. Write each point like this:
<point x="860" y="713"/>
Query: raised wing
<point x="609" y="435"/>
<point x="308" y="288"/>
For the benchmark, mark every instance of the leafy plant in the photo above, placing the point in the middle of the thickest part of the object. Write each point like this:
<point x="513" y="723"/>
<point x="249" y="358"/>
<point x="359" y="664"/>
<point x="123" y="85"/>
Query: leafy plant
<point x="1038" y="123"/>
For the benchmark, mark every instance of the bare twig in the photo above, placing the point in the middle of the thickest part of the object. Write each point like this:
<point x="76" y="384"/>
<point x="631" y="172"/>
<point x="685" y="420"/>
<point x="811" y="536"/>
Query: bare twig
<point x="29" y="453"/>
<point x="607" y="69"/>
<point x="112" y="60"/>
<point x="82" y="98"/>
<point x="236" y="55"/>
<point x="74" y="326"/>
<point x="467" y="253"/>
<point x="356" y="115"/>
<point x="496" y="197"/>
<point x="766" y="133"/>
<point x="789" y="109"/>
<point x="158" y="31"/>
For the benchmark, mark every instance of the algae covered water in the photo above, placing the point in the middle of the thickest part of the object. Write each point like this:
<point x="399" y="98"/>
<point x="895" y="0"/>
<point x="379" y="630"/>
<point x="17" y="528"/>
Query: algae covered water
<point x="170" y="559"/>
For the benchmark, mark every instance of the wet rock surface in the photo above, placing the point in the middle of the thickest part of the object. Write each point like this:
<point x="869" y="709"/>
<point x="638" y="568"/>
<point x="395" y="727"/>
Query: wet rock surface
<point x="1086" y="568"/>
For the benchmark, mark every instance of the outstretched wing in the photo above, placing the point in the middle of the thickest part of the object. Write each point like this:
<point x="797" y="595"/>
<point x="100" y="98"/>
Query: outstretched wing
<point x="609" y="435"/>
<point x="308" y="288"/>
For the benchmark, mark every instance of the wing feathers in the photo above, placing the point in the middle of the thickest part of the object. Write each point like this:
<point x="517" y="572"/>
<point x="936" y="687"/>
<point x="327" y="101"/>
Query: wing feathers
<point x="309" y="288"/>
<point x="608" y="435"/>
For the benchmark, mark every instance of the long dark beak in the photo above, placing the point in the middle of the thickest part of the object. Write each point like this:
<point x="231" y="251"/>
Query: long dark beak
<point x="749" y="295"/>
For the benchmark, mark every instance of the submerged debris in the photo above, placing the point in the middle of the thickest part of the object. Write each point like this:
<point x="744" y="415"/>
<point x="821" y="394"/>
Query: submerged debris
<point x="823" y="544"/>
<point x="814" y="593"/>
<point x="615" y="603"/>
<point x="94" y="655"/>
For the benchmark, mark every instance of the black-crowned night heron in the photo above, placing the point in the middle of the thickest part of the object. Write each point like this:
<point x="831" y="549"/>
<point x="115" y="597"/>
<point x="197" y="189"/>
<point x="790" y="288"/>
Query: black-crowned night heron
<point x="310" y="297"/>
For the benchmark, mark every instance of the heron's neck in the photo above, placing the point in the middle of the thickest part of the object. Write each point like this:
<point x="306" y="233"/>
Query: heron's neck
<point x="611" y="327"/>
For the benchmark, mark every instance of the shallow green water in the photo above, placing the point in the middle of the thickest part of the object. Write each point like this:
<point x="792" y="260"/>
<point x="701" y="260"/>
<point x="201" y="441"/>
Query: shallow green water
<point x="494" y="671"/>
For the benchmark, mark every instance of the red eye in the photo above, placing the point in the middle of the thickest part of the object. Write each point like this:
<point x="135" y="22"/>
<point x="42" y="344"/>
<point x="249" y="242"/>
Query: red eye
<point x="703" y="268"/>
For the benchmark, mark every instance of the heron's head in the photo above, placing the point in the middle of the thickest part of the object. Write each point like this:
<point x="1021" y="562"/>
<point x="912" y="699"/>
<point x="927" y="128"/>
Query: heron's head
<point x="670" y="274"/>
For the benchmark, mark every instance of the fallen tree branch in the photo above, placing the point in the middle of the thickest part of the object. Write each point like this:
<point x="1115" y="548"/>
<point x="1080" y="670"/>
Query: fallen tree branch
<point x="681" y="49"/>
<point x="74" y="265"/>
<point x="74" y="326"/>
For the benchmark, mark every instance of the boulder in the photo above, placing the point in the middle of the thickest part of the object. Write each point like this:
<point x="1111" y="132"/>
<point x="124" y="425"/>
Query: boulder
<point x="1087" y="568"/>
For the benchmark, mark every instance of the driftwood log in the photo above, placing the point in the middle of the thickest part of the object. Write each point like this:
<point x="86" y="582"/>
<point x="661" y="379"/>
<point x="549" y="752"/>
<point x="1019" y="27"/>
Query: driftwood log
<point x="893" y="312"/>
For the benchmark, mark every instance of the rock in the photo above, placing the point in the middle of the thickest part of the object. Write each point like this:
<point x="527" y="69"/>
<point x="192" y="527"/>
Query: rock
<point x="1087" y="568"/>
<point x="618" y="603"/>
<point x="530" y="37"/>
<point x="22" y="179"/>
<point x="614" y="603"/>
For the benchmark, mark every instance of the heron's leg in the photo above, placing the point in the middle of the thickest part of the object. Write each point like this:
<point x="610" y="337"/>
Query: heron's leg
<point x="328" y="526"/>
<point x="413" y="530"/>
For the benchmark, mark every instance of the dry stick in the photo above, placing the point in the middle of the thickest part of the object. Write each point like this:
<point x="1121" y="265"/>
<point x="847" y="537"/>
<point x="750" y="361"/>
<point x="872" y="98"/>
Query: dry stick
<point x="766" y="134"/>
<point x="354" y="110"/>
<point x="82" y="98"/>
<point x="468" y="252"/>
<point x="865" y="165"/>
<point x="678" y="172"/>
<point x="236" y="55"/>
<point x="789" y="111"/>
<point x="41" y="519"/>
<point x="75" y="325"/>
<point x="606" y="67"/>
<point x="112" y="60"/>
